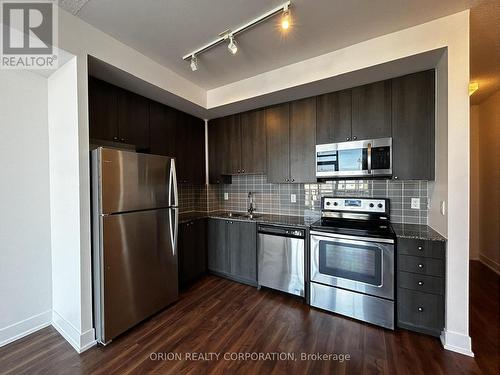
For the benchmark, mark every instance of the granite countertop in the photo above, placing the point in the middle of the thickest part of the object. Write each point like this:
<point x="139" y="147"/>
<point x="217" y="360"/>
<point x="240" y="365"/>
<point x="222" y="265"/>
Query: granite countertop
<point x="184" y="217"/>
<point x="297" y="221"/>
<point x="416" y="231"/>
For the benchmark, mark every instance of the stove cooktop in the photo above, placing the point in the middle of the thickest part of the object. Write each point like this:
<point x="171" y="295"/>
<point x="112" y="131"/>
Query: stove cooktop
<point x="358" y="228"/>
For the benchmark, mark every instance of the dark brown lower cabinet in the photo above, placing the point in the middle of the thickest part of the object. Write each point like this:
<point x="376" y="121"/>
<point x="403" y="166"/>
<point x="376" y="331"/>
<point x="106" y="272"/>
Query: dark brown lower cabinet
<point x="232" y="249"/>
<point x="192" y="246"/>
<point x="420" y="284"/>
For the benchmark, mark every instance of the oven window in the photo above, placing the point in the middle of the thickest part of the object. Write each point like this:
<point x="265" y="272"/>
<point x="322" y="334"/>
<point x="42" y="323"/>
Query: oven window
<point x="354" y="262"/>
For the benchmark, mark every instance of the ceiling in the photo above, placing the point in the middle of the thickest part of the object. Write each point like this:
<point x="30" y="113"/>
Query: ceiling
<point x="485" y="48"/>
<point x="167" y="30"/>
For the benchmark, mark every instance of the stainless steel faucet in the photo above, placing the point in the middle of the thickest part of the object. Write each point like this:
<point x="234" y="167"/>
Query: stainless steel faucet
<point x="251" y="207"/>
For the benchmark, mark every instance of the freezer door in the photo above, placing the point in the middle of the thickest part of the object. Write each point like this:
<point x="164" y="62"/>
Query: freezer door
<point x="138" y="269"/>
<point x="132" y="181"/>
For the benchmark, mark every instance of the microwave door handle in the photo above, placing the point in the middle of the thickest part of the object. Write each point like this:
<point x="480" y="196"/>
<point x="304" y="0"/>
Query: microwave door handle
<point x="369" y="152"/>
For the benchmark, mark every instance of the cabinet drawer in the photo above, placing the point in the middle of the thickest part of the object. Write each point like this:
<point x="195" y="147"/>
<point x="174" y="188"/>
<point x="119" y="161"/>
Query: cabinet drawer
<point x="421" y="265"/>
<point x="421" y="283"/>
<point x="428" y="249"/>
<point x="420" y="310"/>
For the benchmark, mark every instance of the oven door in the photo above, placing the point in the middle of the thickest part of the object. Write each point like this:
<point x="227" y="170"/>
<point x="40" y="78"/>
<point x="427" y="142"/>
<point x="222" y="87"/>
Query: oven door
<point x="359" y="264"/>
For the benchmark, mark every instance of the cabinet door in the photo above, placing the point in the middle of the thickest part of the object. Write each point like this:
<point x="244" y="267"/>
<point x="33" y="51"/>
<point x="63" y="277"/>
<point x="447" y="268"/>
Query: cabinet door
<point x="333" y="116"/>
<point x="218" y="257"/>
<point x="195" y="147"/>
<point x="242" y="247"/>
<point x="303" y="140"/>
<point x="162" y="123"/>
<point x="371" y="111"/>
<point x="192" y="251"/>
<point x="133" y="119"/>
<point x="413" y="126"/>
<point x="182" y="150"/>
<point x="103" y="110"/>
<point x="278" y="148"/>
<point x="253" y="142"/>
<point x="217" y="151"/>
<point x="232" y="144"/>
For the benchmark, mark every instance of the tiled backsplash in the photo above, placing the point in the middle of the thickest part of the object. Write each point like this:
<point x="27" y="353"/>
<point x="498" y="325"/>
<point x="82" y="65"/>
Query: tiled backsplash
<point x="199" y="198"/>
<point x="276" y="198"/>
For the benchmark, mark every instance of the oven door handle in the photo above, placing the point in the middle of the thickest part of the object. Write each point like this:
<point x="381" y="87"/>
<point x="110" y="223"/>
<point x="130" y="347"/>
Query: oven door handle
<point x="328" y="236"/>
<point x="369" y="152"/>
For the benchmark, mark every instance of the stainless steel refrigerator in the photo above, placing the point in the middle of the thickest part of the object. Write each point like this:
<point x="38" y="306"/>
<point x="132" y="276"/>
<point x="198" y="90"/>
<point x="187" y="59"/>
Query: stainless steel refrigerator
<point x="134" y="225"/>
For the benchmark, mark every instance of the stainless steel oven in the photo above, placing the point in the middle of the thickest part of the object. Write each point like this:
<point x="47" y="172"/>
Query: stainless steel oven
<point x="354" y="159"/>
<point x="359" y="264"/>
<point x="352" y="260"/>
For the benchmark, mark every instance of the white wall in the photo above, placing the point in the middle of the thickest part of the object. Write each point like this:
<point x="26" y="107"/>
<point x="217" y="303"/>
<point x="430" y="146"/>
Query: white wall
<point x="474" y="183"/>
<point x="25" y="266"/>
<point x="68" y="295"/>
<point x="487" y="152"/>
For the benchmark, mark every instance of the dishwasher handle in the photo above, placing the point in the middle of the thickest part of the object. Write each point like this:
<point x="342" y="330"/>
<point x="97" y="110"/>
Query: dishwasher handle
<point x="281" y="231"/>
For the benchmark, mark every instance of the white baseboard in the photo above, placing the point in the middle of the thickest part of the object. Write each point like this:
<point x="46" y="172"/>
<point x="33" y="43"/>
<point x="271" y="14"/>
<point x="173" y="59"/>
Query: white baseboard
<point x="457" y="342"/>
<point x="79" y="341"/>
<point x="490" y="263"/>
<point x="25" y="327"/>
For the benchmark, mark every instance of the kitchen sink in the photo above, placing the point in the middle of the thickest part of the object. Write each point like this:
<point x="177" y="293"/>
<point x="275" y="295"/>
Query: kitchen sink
<point x="252" y="216"/>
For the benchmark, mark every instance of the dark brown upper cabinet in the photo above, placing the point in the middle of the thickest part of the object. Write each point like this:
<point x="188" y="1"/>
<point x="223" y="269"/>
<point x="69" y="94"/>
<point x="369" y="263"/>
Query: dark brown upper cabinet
<point x="413" y="123"/>
<point x="191" y="150"/>
<point x="371" y="111"/>
<point x="219" y="149"/>
<point x="162" y="129"/>
<point x="103" y="110"/>
<point x="278" y="143"/>
<point x="237" y="145"/>
<point x="291" y="139"/>
<point x="133" y="119"/>
<point x="177" y="134"/>
<point x="253" y="142"/>
<point x="333" y="116"/>
<point x="303" y="140"/>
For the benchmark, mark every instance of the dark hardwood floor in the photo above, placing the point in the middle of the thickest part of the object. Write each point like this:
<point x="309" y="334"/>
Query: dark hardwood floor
<point x="219" y="316"/>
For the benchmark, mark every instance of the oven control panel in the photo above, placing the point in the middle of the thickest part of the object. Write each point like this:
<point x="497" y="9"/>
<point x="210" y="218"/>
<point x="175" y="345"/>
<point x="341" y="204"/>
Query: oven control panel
<point x="354" y="204"/>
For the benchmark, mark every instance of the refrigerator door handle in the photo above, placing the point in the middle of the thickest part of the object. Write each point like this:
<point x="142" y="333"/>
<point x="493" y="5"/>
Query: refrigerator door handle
<point x="172" y="186"/>
<point x="173" y="228"/>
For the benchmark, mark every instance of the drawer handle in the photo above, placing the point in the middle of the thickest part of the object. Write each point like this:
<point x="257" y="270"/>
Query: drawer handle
<point x="420" y="265"/>
<point x="420" y="309"/>
<point x="420" y="283"/>
<point x="420" y="248"/>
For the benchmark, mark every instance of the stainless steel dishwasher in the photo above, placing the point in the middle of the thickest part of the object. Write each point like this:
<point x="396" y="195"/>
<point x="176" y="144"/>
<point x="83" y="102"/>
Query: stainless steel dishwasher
<point x="281" y="258"/>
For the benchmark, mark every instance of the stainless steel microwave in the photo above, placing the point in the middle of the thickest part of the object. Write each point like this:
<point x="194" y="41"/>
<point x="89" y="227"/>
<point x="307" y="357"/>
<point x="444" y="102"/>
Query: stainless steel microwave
<point x="371" y="157"/>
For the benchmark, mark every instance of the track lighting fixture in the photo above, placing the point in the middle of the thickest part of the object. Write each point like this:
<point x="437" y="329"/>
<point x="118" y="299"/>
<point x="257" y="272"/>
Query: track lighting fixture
<point x="286" y="23"/>
<point x="194" y="63"/>
<point x="232" y="47"/>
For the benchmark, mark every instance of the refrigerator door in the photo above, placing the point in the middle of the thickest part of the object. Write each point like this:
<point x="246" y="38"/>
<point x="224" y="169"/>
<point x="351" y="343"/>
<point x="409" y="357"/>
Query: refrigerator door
<point x="138" y="276"/>
<point x="133" y="181"/>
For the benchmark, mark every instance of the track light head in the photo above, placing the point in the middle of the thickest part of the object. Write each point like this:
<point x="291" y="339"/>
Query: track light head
<point x="285" y="19"/>
<point x="232" y="47"/>
<point x="194" y="63"/>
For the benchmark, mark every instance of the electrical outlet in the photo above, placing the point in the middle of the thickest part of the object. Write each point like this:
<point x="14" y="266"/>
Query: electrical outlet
<point x="415" y="203"/>
<point x="293" y="198"/>
<point x="226" y="196"/>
